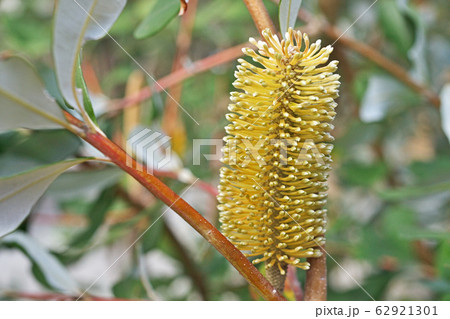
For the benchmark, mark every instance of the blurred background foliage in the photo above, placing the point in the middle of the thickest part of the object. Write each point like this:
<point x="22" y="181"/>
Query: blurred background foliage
<point x="389" y="198"/>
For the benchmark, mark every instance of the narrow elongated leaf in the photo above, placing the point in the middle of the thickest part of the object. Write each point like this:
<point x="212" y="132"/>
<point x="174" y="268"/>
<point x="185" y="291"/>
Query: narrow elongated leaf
<point x="20" y="192"/>
<point x="160" y="15"/>
<point x="395" y="25"/>
<point x="23" y="100"/>
<point x="84" y="91"/>
<point x="287" y="14"/>
<point x="417" y="54"/>
<point x="76" y="22"/>
<point x="55" y="275"/>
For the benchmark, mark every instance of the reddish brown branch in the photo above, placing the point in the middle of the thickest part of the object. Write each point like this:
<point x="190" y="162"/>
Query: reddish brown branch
<point x="260" y="15"/>
<point x="182" y="208"/>
<point x="316" y="278"/>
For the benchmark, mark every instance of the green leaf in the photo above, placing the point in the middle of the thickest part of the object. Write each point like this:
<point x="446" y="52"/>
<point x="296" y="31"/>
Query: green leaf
<point x="83" y="183"/>
<point x="26" y="153"/>
<point x="287" y="14"/>
<point x="361" y="174"/>
<point x="412" y="192"/>
<point x="395" y="25"/>
<point x="74" y="23"/>
<point x="160" y="15"/>
<point x="54" y="273"/>
<point x="49" y="77"/>
<point x="20" y="192"/>
<point x="433" y="171"/>
<point x="86" y="99"/>
<point x="64" y="145"/>
<point x="418" y="52"/>
<point x="23" y="100"/>
<point x="96" y="215"/>
<point x="129" y="287"/>
<point x="398" y="222"/>
<point x="443" y="260"/>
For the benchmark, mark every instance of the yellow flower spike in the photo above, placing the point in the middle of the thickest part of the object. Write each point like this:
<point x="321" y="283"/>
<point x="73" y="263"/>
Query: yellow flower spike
<point x="277" y="155"/>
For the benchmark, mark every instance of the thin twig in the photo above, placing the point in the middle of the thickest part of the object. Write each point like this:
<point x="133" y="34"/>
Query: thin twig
<point x="145" y="280"/>
<point x="260" y="15"/>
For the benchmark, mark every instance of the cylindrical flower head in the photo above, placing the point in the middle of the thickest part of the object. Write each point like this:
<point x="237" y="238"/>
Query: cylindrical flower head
<point x="273" y="186"/>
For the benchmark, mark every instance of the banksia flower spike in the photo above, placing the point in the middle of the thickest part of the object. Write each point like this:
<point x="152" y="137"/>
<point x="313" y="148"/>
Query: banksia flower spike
<point x="273" y="186"/>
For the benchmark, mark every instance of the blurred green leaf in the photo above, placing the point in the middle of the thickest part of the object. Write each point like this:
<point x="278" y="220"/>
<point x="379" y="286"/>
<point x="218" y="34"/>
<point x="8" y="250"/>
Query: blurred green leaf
<point x="160" y="15"/>
<point x="96" y="216"/>
<point x="443" y="260"/>
<point x="395" y="25"/>
<point x="360" y="174"/>
<point x="63" y="144"/>
<point x="49" y="78"/>
<point x="151" y="239"/>
<point x="25" y="150"/>
<point x="30" y="38"/>
<point x="357" y="134"/>
<point x="433" y="171"/>
<point x="373" y="245"/>
<point x="414" y="192"/>
<point x="418" y="52"/>
<point x="54" y="273"/>
<point x="417" y="233"/>
<point x="9" y="139"/>
<point x="388" y="236"/>
<point x="129" y="287"/>
<point x="398" y="222"/>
